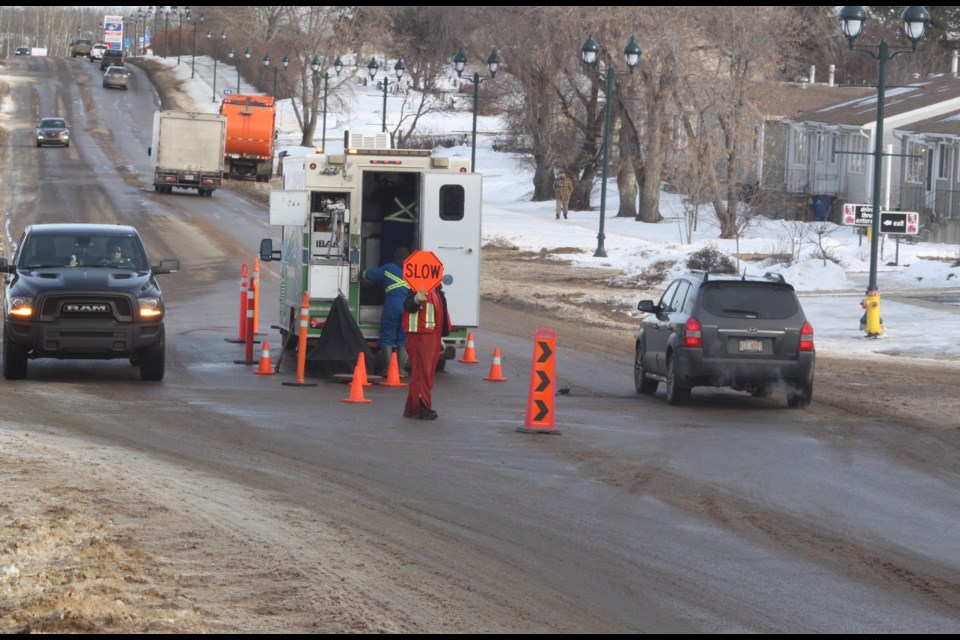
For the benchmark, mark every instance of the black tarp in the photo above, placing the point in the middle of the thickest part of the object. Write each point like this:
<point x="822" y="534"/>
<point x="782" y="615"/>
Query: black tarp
<point x="340" y="344"/>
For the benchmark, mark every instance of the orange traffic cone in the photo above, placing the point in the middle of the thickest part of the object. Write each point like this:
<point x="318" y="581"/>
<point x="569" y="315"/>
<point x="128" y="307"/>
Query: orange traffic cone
<point x="362" y="365"/>
<point x="266" y="369"/>
<point x="469" y="354"/>
<point x="393" y="373"/>
<point x="356" y="385"/>
<point x="496" y="375"/>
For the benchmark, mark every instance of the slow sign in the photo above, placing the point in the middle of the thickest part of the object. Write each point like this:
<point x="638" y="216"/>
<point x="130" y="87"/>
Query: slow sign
<point x="422" y="269"/>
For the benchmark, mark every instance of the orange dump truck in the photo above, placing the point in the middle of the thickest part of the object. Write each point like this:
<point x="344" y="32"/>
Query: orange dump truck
<point x="251" y="122"/>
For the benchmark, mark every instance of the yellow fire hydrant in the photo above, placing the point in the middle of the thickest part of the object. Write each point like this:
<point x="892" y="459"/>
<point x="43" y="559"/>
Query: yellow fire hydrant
<point x="871" y="321"/>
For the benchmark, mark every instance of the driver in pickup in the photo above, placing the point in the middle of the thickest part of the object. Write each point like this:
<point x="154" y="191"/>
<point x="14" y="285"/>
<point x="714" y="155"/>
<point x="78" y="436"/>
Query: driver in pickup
<point x="115" y="258"/>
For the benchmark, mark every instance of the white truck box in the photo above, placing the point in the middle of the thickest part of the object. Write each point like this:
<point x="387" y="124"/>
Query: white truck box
<point x="188" y="150"/>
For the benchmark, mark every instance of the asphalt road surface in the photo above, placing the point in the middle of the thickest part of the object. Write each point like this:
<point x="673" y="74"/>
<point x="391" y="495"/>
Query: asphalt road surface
<point x="222" y="501"/>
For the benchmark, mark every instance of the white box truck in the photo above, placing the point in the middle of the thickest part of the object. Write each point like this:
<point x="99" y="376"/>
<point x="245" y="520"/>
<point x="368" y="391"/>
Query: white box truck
<point x="341" y="214"/>
<point x="188" y="150"/>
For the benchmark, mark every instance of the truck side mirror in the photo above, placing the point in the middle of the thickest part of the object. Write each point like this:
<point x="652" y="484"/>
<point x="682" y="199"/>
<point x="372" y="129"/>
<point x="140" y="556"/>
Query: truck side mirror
<point x="149" y="151"/>
<point x="266" y="250"/>
<point x="169" y="265"/>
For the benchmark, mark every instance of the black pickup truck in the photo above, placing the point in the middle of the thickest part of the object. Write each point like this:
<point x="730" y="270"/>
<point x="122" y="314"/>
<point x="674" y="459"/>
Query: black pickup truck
<point x="83" y="291"/>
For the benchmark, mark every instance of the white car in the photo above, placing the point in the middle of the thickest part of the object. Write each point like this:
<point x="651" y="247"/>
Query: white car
<point x="96" y="52"/>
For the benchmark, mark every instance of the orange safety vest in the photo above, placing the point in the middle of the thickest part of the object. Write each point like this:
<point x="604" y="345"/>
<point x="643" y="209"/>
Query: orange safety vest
<point x="424" y="319"/>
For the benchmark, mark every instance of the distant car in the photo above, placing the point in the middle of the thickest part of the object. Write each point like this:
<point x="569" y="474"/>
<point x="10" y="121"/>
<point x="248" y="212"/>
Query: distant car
<point x="96" y="53"/>
<point x="111" y="58"/>
<point x="53" y="131"/>
<point x="115" y="77"/>
<point x="22" y="51"/>
<point x="80" y="48"/>
<point x="744" y="332"/>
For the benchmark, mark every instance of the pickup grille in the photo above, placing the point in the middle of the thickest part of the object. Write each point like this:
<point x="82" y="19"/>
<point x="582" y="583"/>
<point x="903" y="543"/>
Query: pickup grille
<point x="89" y="307"/>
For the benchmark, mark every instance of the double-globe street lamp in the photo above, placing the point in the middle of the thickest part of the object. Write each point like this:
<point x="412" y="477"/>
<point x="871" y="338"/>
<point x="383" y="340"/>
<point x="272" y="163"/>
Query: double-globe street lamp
<point x="266" y="62"/>
<point x="459" y="63"/>
<point x="240" y="59"/>
<point x="398" y="69"/>
<point x="223" y="36"/>
<point x="589" y="52"/>
<point x="915" y="20"/>
<point x="193" y="51"/>
<point x="315" y="66"/>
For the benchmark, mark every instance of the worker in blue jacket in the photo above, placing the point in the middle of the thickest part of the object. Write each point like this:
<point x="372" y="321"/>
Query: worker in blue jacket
<point x="393" y="337"/>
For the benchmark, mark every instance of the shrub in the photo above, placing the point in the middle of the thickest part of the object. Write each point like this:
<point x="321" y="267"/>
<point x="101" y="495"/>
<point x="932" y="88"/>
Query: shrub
<point x="711" y="259"/>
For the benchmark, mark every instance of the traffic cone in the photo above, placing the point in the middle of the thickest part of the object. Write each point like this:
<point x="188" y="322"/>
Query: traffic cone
<point x="362" y="365"/>
<point x="266" y="369"/>
<point x="469" y="354"/>
<point x="393" y="373"/>
<point x="356" y="385"/>
<point x="496" y="375"/>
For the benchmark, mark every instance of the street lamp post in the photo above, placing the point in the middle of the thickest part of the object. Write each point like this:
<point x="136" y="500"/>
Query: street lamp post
<point x="915" y="20"/>
<point x="493" y="63"/>
<point x="240" y="59"/>
<point x="589" y="52"/>
<point x="223" y="36"/>
<point x="398" y="69"/>
<point x="180" y="13"/>
<point x="266" y="62"/>
<point x="193" y="51"/>
<point x="166" y="30"/>
<point x="315" y="65"/>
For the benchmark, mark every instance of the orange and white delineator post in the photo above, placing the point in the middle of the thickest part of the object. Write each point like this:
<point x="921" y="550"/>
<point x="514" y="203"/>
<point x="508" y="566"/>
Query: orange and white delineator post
<point x="251" y="301"/>
<point x="302" y="344"/>
<point x="244" y="284"/>
<point x="256" y="293"/>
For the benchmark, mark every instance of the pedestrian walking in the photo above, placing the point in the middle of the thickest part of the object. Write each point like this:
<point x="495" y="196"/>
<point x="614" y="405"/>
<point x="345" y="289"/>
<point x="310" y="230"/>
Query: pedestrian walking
<point x="562" y="189"/>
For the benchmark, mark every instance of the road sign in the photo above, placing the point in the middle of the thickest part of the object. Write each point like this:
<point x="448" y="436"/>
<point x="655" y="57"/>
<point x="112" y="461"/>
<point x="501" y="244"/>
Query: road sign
<point x="899" y="222"/>
<point x="540" y="399"/>
<point x="422" y="269"/>
<point x="860" y="215"/>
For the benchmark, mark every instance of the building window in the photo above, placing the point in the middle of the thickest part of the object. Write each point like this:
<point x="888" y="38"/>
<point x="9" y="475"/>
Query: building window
<point x="821" y="148"/>
<point x="914" y="153"/>
<point x="800" y="147"/>
<point x="946" y="154"/>
<point x="834" y="147"/>
<point x="855" y="161"/>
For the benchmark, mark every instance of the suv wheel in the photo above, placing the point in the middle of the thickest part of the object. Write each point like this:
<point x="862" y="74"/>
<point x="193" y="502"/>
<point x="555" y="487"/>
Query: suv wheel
<point x="152" y="362"/>
<point x="677" y="392"/>
<point x="642" y="383"/>
<point x="14" y="360"/>
<point x="800" y="397"/>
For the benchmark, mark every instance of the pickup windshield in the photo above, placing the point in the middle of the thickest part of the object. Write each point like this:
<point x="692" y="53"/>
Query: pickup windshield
<point x="108" y="252"/>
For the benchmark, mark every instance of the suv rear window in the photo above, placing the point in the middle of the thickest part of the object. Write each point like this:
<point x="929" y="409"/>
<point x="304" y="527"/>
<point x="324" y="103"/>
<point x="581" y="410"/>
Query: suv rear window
<point x="737" y="299"/>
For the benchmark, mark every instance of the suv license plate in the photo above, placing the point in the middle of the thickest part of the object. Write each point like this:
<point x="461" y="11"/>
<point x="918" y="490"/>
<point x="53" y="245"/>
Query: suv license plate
<point x="752" y="346"/>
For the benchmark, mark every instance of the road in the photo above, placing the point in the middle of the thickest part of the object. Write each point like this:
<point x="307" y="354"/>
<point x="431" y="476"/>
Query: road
<point x="221" y="501"/>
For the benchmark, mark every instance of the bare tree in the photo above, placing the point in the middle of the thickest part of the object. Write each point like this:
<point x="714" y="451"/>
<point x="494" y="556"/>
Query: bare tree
<point x="729" y="54"/>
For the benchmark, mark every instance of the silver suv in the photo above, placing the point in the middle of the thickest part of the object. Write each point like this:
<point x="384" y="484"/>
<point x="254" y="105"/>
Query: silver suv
<point x="744" y="332"/>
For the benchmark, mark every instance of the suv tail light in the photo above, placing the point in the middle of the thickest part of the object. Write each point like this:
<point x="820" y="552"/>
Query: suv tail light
<point x="692" y="337"/>
<point x="806" y="337"/>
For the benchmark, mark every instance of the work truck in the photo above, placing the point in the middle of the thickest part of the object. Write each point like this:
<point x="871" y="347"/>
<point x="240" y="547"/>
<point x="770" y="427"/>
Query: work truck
<point x="341" y="214"/>
<point x="251" y="124"/>
<point x="188" y="151"/>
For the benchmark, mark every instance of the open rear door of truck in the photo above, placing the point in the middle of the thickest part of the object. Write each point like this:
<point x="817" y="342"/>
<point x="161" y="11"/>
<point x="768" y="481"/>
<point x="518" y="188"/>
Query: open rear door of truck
<point x="450" y="228"/>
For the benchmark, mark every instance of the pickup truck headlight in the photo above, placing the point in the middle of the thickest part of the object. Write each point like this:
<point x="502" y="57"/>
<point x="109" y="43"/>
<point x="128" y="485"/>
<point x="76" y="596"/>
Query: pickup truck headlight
<point x="21" y="307"/>
<point x="150" y="308"/>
